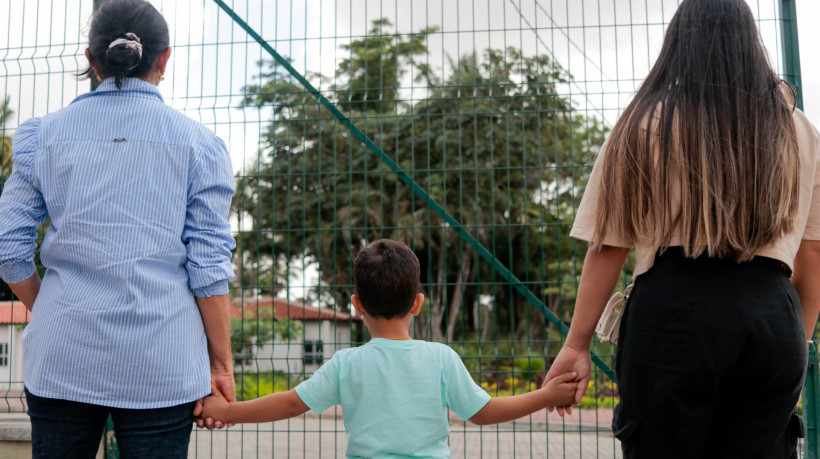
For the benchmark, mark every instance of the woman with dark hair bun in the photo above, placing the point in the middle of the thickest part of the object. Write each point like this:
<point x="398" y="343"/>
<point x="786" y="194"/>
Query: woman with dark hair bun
<point x="125" y="40"/>
<point x="131" y="317"/>
<point x="712" y="175"/>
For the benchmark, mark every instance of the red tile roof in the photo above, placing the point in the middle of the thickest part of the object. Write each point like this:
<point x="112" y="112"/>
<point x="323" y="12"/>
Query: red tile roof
<point x="283" y="308"/>
<point x="13" y="312"/>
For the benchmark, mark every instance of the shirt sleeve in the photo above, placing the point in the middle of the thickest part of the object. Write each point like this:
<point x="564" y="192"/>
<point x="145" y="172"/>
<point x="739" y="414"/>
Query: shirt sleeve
<point x="321" y="391"/>
<point x="585" y="219"/>
<point x="462" y="394"/>
<point x="207" y="232"/>
<point x="22" y="207"/>
<point x="217" y="288"/>
<point x="812" y="231"/>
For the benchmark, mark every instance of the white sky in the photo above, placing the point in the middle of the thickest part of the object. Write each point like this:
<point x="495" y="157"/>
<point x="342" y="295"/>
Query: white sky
<point x="42" y="47"/>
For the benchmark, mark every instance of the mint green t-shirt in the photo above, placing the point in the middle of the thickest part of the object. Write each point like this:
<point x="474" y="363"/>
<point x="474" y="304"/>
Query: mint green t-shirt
<point x="394" y="396"/>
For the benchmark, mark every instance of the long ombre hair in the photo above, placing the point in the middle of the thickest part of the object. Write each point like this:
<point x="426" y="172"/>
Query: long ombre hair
<point x="711" y="125"/>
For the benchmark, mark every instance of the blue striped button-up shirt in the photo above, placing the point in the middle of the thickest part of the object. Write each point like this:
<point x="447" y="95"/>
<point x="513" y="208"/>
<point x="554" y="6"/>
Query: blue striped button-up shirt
<point x="138" y="197"/>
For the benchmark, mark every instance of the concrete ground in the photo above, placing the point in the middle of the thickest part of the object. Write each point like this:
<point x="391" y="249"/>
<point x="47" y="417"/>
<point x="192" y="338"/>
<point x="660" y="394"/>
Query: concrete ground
<point x="311" y="436"/>
<point x="323" y="437"/>
<point x="584" y="434"/>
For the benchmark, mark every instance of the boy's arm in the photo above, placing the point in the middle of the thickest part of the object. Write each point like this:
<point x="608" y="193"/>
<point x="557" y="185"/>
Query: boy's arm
<point x="559" y="392"/>
<point x="272" y="407"/>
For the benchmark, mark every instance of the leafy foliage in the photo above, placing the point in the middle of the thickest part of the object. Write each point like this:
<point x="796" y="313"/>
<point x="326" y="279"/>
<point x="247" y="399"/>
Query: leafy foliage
<point x="492" y="141"/>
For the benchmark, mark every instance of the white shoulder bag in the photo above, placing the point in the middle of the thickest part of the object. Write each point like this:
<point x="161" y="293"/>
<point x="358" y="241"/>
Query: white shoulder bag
<point x="610" y="322"/>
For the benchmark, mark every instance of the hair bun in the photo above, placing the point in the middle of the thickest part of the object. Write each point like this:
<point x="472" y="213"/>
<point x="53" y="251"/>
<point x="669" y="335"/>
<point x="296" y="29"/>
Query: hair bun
<point x="124" y="54"/>
<point x="125" y="39"/>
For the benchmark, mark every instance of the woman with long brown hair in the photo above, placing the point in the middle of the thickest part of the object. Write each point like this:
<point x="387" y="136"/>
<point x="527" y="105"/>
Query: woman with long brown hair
<point x="711" y="175"/>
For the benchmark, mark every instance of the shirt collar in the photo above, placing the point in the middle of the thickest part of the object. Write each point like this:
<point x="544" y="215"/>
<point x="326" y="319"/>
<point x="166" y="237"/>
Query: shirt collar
<point x="135" y="86"/>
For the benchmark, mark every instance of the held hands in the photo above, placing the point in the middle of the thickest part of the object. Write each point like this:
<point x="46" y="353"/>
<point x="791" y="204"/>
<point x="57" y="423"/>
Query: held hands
<point x="571" y="360"/>
<point x="560" y="390"/>
<point x="214" y="406"/>
<point x="222" y="386"/>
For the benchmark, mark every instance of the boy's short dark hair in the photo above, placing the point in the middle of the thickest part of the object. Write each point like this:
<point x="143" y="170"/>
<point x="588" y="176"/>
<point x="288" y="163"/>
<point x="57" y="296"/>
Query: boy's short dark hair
<point x="386" y="277"/>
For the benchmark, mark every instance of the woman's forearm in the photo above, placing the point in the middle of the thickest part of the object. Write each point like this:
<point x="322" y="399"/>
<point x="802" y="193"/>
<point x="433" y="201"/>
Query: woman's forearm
<point x="600" y="273"/>
<point x="806" y="283"/>
<point x="27" y="290"/>
<point x="216" y="320"/>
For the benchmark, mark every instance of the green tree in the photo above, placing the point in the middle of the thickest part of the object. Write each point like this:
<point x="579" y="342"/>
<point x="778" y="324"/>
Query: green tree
<point x="376" y="65"/>
<point x="492" y="142"/>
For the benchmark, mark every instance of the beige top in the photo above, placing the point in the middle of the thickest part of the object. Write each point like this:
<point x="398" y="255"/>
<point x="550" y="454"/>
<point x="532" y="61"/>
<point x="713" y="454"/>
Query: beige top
<point x="785" y="249"/>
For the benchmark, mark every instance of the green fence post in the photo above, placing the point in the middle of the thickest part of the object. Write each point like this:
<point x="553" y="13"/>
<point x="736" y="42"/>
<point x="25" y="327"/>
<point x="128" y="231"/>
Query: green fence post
<point x="791" y="48"/>
<point x="811" y="389"/>
<point x="791" y="70"/>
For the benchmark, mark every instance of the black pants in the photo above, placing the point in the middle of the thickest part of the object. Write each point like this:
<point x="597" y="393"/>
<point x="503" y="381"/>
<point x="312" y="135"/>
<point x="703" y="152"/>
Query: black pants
<point x="65" y="429"/>
<point x="711" y="361"/>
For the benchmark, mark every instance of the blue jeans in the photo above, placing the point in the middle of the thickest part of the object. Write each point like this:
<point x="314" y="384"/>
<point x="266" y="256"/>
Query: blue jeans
<point x="66" y="429"/>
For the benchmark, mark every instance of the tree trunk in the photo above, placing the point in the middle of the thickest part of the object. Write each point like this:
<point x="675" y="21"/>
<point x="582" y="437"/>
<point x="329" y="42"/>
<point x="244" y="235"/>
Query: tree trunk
<point x="438" y="307"/>
<point x="465" y="274"/>
<point x="455" y="302"/>
<point x="521" y="327"/>
<point x="486" y="331"/>
<point x="538" y="330"/>
<point x="477" y="312"/>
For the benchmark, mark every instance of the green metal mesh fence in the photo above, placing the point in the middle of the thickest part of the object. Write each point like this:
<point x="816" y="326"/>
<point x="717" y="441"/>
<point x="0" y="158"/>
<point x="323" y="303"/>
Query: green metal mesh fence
<point x="465" y="128"/>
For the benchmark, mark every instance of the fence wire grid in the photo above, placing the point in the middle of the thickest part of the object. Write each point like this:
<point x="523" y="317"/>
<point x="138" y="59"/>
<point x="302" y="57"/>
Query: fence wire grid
<point x="493" y="109"/>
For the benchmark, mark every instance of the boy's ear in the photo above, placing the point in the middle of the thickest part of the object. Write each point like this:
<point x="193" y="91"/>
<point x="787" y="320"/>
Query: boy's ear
<point x="417" y="304"/>
<point x="357" y="304"/>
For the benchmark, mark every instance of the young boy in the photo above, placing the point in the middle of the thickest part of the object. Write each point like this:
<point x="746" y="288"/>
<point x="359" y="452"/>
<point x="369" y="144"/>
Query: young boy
<point x="394" y="390"/>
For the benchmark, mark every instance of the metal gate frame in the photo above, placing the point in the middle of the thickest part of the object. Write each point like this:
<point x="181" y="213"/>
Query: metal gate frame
<point x="792" y="73"/>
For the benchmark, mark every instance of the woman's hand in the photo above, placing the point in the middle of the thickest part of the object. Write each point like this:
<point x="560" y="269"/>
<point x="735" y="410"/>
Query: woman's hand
<point x="571" y="360"/>
<point x="224" y="382"/>
<point x="598" y="278"/>
<point x="215" y="319"/>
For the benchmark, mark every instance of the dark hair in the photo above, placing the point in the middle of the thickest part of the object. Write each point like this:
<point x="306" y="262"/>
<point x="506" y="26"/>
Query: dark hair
<point x="135" y="20"/>
<point x="711" y="131"/>
<point x="386" y="276"/>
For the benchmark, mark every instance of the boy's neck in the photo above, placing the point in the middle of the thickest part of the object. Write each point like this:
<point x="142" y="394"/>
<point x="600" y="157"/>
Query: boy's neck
<point x="396" y="328"/>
